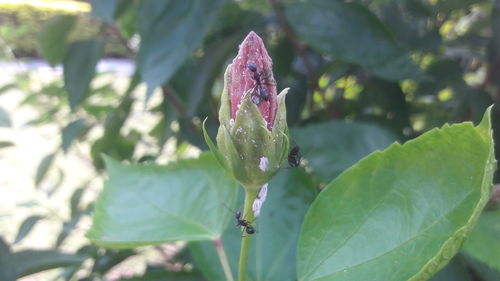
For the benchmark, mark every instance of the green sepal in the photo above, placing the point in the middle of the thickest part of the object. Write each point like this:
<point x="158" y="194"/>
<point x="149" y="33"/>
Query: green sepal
<point x="243" y="141"/>
<point x="231" y="154"/>
<point x="280" y="129"/>
<point x="253" y="141"/>
<point x="225" y="103"/>
<point x="218" y="155"/>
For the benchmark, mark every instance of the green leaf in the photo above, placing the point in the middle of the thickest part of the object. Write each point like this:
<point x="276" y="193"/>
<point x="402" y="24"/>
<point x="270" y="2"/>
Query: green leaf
<point x="482" y="270"/>
<point x="170" y="31"/>
<point x="4" y="118"/>
<point x="79" y="69"/>
<point x="104" y="10"/>
<point x="8" y="268"/>
<point x="399" y="69"/>
<point x="33" y="261"/>
<point x="145" y="204"/>
<point x="56" y="183"/>
<point x="332" y="147"/>
<point x="272" y="253"/>
<point x="75" y="200"/>
<point x="43" y="168"/>
<point x="161" y="275"/>
<point x="72" y="131"/>
<point x="110" y="259"/>
<point x="406" y="20"/>
<point x="110" y="10"/>
<point x="53" y="37"/>
<point x="483" y="243"/>
<point x="7" y="87"/>
<point x="351" y="33"/>
<point x="194" y="80"/>
<point x="4" y="144"/>
<point x="404" y="212"/>
<point x="454" y="271"/>
<point x="26" y="227"/>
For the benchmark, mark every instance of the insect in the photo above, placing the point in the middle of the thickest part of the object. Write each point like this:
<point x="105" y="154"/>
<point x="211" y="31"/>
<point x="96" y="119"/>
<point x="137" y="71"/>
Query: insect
<point x="294" y="158"/>
<point x="249" y="229"/>
<point x="260" y="92"/>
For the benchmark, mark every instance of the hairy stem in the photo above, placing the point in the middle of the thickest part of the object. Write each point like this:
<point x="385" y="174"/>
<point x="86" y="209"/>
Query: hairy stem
<point x="219" y="247"/>
<point x="250" y="195"/>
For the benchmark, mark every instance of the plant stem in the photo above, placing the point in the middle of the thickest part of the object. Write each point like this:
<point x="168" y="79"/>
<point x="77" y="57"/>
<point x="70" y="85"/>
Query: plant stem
<point x="250" y="195"/>
<point x="223" y="259"/>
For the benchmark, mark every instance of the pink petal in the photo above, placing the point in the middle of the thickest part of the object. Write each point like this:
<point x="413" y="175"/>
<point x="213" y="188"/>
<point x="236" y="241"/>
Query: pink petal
<point x="252" y="50"/>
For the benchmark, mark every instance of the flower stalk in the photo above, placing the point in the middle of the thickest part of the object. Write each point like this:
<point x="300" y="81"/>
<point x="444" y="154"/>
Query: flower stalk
<point x="250" y="194"/>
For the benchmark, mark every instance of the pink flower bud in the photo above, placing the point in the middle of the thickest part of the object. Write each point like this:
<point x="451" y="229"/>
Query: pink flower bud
<point x="252" y="70"/>
<point x="252" y="138"/>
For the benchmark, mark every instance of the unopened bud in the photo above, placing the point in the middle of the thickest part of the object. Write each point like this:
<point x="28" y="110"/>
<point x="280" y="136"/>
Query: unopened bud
<point x="253" y="135"/>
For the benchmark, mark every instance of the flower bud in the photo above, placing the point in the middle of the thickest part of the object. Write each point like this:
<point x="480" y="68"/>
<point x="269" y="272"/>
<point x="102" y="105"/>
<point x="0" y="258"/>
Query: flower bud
<point x="253" y="134"/>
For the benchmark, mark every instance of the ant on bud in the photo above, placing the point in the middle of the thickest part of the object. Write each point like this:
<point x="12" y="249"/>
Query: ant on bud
<point x="294" y="158"/>
<point x="260" y="92"/>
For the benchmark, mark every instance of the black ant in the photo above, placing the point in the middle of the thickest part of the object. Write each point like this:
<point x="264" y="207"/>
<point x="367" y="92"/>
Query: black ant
<point x="259" y="93"/>
<point x="294" y="158"/>
<point x="249" y="229"/>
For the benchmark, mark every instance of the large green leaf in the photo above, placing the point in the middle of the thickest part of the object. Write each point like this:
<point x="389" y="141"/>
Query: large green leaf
<point x="53" y="37"/>
<point x="272" y="253"/>
<point x="332" y="147"/>
<point x="33" y="261"/>
<point x="351" y="33"/>
<point x="403" y="213"/>
<point x="483" y="243"/>
<point x="170" y="31"/>
<point x="148" y="204"/>
<point x="79" y="69"/>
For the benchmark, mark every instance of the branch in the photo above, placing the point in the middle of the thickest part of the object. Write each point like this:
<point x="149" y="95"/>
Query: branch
<point x="116" y="32"/>
<point x="174" y="101"/>
<point x="223" y="259"/>
<point x="296" y="44"/>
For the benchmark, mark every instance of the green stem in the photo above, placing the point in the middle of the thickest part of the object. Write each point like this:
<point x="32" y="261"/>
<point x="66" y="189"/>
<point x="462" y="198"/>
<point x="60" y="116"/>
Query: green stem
<point x="250" y="195"/>
<point x="223" y="259"/>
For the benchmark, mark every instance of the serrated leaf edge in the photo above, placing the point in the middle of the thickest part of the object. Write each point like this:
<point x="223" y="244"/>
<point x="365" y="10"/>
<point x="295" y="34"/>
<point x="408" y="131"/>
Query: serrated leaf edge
<point x="454" y="243"/>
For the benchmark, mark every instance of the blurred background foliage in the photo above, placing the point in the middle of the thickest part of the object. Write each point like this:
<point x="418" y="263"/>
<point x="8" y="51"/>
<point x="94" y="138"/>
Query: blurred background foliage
<point x="362" y="73"/>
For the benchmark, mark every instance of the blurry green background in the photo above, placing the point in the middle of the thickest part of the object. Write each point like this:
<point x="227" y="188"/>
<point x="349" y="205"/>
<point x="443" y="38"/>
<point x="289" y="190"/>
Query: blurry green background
<point x="393" y="69"/>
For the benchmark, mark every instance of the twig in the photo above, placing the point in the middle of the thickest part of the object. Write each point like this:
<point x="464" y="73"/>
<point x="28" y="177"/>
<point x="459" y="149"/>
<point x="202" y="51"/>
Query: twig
<point x="219" y="247"/>
<point x="116" y="32"/>
<point x="170" y="97"/>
